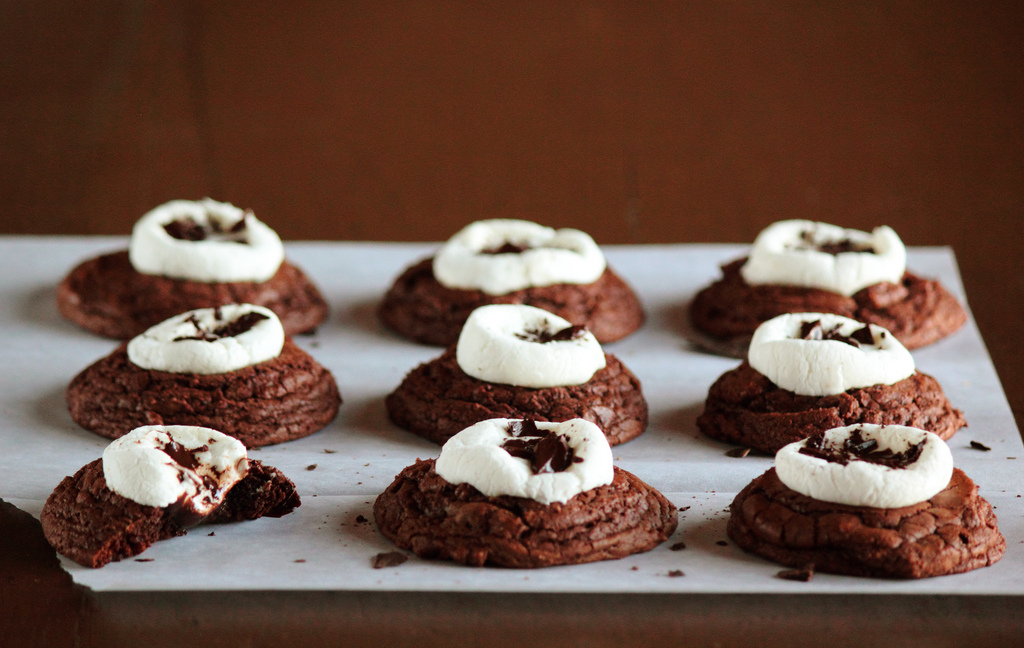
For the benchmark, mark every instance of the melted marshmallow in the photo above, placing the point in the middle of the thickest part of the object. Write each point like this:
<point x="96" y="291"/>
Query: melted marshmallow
<point x="860" y="483"/>
<point x="784" y="253"/>
<point x="823" y="367"/>
<point x="252" y="255"/>
<point x="202" y="341"/>
<point x="475" y="456"/>
<point x="565" y="256"/>
<point x="159" y="465"/>
<point x="500" y="344"/>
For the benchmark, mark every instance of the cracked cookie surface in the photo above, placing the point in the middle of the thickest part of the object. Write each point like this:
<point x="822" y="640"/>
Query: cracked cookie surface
<point x="437" y="400"/>
<point x="107" y="296"/>
<point x="953" y="532"/>
<point x="433" y="518"/>
<point x="745" y="407"/>
<point x="418" y="307"/>
<point x="286" y="398"/>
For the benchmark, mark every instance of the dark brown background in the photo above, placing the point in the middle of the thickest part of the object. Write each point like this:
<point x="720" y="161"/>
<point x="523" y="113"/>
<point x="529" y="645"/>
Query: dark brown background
<point x="640" y="123"/>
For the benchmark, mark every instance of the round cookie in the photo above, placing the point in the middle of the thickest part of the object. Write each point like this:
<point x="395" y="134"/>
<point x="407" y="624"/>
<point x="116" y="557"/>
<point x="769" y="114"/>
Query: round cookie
<point x="285" y="398"/>
<point x="725" y="314"/>
<point x="438" y="399"/>
<point x="109" y="297"/>
<point x="89" y="523"/>
<point x="952" y="532"/>
<point x="745" y="407"/>
<point x="422" y="512"/>
<point x="418" y="307"/>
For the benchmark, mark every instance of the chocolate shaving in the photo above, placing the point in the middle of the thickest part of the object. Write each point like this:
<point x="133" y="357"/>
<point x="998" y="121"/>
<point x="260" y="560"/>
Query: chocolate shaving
<point x="229" y="329"/>
<point x="803" y="574"/>
<point x="857" y="448"/>
<point x="507" y="248"/>
<point x="545" y="450"/>
<point x="389" y="559"/>
<point x="545" y="335"/>
<point x="815" y="331"/>
<point x="833" y="247"/>
<point x="186" y="229"/>
<point x="979" y="446"/>
<point x="679" y="546"/>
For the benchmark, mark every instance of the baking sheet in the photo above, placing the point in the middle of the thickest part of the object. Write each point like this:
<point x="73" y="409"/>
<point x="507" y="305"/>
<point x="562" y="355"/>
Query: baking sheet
<point x="329" y="542"/>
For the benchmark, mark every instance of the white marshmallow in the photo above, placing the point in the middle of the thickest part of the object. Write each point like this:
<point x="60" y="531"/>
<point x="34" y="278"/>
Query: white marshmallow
<point x="475" y="456"/>
<point x="860" y="483"/>
<point x="781" y="256"/>
<point x="137" y="467"/>
<point x="159" y="348"/>
<point x="565" y="256"/>
<point x="491" y="350"/>
<point x="154" y="251"/>
<point x="823" y="367"/>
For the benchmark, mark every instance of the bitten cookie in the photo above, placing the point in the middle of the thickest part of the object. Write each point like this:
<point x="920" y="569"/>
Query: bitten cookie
<point x="816" y="384"/>
<point x="800" y="266"/>
<point x="186" y="255"/>
<point x="155" y="483"/>
<point x="230" y="368"/>
<point x="519" y="362"/>
<point x="907" y="526"/>
<point x="510" y="262"/>
<point x="568" y="504"/>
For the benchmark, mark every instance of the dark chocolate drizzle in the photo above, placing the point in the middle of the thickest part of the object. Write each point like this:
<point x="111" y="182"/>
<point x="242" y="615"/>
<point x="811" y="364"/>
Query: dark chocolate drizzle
<point x="833" y="247"/>
<point x="545" y="335"/>
<point x="815" y="331"/>
<point x="183" y="456"/>
<point x="228" y="329"/>
<point x="547" y="451"/>
<point x="186" y="229"/>
<point x="857" y="448"/>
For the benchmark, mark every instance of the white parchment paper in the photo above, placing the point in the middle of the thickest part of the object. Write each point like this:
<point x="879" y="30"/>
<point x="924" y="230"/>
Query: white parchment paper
<point x="327" y="545"/>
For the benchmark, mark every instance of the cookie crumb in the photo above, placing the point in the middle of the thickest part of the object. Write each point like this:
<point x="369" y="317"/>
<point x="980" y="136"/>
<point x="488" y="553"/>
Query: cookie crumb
<point x="679" y="546"/>
<point x="145" y="559"/>
<point x="803" y="574"/>
<point x="389" y="559"/>
<point x="676" y="573"/>
<point x="684" y="508"/>
<point x="299" y="560"/>
<point x="326" y="451"/>
<point x="979" y="446"/>
<point x="311" y="467"/>
<point x="635" y="568"/>
<point x="210" y="534"/>
<point x="737" y="453"/>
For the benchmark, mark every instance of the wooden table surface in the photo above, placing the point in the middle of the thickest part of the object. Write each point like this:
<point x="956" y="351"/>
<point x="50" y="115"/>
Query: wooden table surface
<point x="637" y="122"/>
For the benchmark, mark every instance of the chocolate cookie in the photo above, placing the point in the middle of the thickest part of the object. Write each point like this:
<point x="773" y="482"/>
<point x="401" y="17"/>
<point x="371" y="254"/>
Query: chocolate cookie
<point x="92" y="525"/>
<point x="437" y="400"/>
<point x="107" y="296"/>
<point x="744" y="407"/>
<point x="418" y="307"/>
<point x="917" y="311"/>
<point x="286" y="398"/>
<point x="953" y="532"/>
<point x="433" y="518"/>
